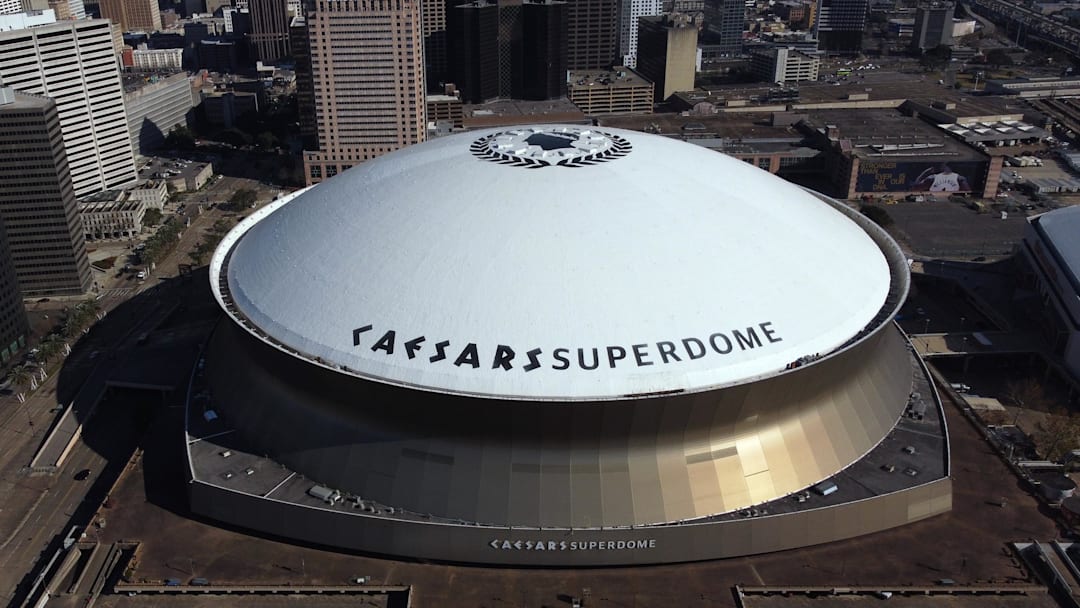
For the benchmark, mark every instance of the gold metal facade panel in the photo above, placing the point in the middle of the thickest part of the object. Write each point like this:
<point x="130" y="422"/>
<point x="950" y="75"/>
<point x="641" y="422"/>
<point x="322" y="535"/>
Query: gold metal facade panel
<point x="593" y="464"/>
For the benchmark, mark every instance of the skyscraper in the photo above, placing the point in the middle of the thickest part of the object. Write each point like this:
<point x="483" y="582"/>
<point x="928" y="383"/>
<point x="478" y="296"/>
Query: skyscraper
<point x="591" y="34"/>
<point x="509" y="50"/>
<point x="305" y="89"/>
<point x="839" y="24"/>
<point x="667" y="53"/>
<point x="933" y="25"/>
<point x="269" y="29"/>
<point x="433" y="16"/>
<point x="472" y="37"/>
<point x="132" y="15"/>
<point x="543" y="41"/>
<point x="13" y="324"/>
<point x="75" y="63"/>
<point x="37" y="202"/>
<point x="367" y="65"/>
<point x="725" y="22"/>
<point x="629" y="12"/>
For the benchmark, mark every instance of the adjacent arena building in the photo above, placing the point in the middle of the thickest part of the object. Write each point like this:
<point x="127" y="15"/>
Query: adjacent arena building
<point x="561" y="345"/>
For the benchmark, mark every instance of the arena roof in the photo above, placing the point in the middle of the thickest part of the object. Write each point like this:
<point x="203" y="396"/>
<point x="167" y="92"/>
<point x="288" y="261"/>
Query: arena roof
<point x="555" y="263"/>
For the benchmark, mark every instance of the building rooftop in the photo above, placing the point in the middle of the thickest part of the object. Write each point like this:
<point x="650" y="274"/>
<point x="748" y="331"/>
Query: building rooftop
<point x="733" y="126"/>
<point x="642" y="169"/>
<point x="24" y="101"/>
<point x="515" y="112"/>
<point x="618" y="77"/>
<point x="962" y="106"/>
<point x="134" y="81"/>
<point x="1060" y="229"/>
<point x="886" y="133"/>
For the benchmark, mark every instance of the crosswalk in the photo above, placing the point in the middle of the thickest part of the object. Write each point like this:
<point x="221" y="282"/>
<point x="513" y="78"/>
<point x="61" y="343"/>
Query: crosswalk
<point x="117" y="292"/>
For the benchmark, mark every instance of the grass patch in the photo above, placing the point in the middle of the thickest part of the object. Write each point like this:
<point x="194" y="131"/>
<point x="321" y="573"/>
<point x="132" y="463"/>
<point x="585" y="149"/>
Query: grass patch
<point x="105" y="264"/>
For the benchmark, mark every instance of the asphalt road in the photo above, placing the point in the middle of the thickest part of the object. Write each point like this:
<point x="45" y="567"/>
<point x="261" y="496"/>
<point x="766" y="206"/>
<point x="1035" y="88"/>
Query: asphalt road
<point x="36" y="510"/>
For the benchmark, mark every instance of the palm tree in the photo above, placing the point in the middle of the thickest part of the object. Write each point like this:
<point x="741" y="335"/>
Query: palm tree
<point x="72" y="325"/>
<point x="49" y="348"/>
<point x="21" y="376"/>
<point x="90" y="306"/>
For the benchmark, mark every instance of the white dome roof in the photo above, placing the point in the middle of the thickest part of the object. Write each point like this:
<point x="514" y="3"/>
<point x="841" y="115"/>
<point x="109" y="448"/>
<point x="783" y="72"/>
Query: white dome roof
<point x="475" y="263"/>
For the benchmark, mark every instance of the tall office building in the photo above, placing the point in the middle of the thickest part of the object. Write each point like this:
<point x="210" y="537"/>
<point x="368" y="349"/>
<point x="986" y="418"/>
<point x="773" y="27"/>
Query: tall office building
<point x="269" y="29"/>
<point x="132" y="15"/>
<point x="509" y="50"/>
<point x="37" y="202"/>
<point x="509" y="43"/>
<point x="839" y="24"/>
<point x="433" y="17"/>
<point x="725" y="22"/>
<point x="305" y="89"/>
<point x="13" y="325"/>
<point x="667" y="53"/>
<point x="74" y="62"/>
<point x="156" y="108"/>
<point x="8" y="7"/>
<point x="933" y="25"/>
<point x="472" y="37"/>
<point x="367" y="70"/>
<point x="543" y="41"/>
<point x="592" y="34"/>
<point x="629" y="12"/>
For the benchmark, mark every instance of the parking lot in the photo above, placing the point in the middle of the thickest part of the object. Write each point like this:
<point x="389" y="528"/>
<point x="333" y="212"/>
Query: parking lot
<point x="940" y="228"/>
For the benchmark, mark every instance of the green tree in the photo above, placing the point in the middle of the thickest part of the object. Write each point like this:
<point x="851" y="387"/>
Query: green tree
<point x="1058" y="434"/>
<point x="21" y="376"/>
<point x="180" y="138"/>
<point x="936" y="58"/>
<point x="242" y="198"/>
<point x="221" y="227"/>
<point x="266" y="140"/>
<point x="152" y="217"/>
<point x="877" y="215"/>
<point x="998" y="58"/>
<point x="49" y="348"/>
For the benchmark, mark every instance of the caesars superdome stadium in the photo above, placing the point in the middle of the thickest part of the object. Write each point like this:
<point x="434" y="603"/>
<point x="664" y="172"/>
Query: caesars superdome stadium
<point x="562" y="345"/>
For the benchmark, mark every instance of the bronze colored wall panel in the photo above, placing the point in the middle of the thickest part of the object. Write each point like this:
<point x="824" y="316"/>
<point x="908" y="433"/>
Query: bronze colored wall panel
<point x="634" y="462"/>
<point x="679" y="543"/>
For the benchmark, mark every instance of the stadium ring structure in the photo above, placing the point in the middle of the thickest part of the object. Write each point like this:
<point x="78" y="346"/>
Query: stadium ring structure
<point x="564" y="346"/>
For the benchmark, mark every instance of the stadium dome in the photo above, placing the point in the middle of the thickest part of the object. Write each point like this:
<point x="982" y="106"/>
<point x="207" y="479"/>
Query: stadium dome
<point x="551" y="328"/>
<point x="558" y="263"/>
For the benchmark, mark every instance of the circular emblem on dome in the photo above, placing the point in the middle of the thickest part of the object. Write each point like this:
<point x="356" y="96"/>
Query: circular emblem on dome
<point x="537" y="147"/>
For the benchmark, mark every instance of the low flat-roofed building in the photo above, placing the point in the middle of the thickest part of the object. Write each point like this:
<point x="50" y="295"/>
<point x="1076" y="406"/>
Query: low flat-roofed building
<point x="793" y="12"/>
<point x="981" y="121"/>
<point x="777" y="146"/>
<point x="445" y="109"/>
<point x="617" y="91"/>
<point x="515" y="112"/>
<point x="799" y="40"/>
<point x="111" y="214"/>
<point x="153" y="193"/>
<point x="192" y="177"/>
<point x="223" y="108"/>
<point x="157" y="59"/>
<point x="783" y="65"/>
<point x="886" y="153"/>
<point x="1035" y="87"/>
<point x="23" y="20"/>
<point x="1052" y="251"/>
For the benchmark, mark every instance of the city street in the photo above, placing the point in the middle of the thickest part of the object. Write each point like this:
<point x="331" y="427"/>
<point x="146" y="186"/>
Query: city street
<point x="36" y="509"/>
